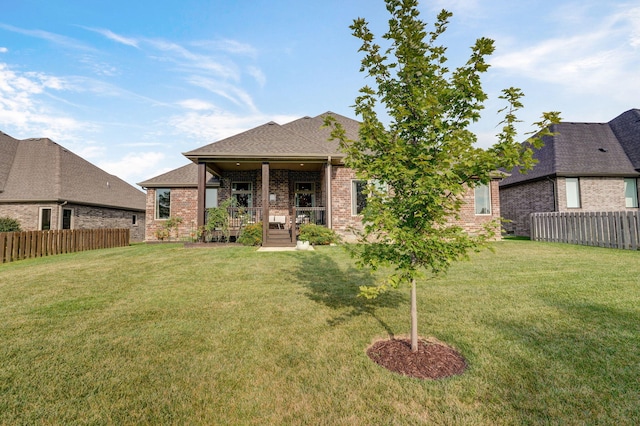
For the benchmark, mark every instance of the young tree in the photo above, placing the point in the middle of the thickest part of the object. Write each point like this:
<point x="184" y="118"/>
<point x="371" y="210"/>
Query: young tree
<point x="426" y="155"/>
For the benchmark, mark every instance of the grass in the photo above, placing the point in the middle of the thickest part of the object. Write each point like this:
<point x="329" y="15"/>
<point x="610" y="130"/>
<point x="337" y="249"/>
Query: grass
<point x="159" y="334"/>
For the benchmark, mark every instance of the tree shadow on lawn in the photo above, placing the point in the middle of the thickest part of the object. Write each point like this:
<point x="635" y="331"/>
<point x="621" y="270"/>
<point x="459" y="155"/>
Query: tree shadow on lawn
<point x="591" y="357"/>
<point x="338" y="288"/>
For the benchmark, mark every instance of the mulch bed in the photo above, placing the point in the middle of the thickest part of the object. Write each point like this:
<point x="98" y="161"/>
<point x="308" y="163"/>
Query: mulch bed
<point x="432" y="361"/>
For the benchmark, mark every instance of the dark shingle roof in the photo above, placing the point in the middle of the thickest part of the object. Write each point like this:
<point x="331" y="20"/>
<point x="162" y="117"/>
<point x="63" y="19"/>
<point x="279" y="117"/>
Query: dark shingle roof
<point x="182" y="177"/>
<point x="41" y="170"/>
<point x="626" y="127"/>
<point x="305" y="137"/>
<point x="584" y="149"/>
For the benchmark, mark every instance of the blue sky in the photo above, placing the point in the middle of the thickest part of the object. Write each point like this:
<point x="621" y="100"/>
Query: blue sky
<point x="130" y="85"/>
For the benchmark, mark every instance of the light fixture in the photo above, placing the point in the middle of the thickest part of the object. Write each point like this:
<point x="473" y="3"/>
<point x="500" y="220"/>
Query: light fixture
<point x="301" y="164"/>
<point x="237" y="164"/>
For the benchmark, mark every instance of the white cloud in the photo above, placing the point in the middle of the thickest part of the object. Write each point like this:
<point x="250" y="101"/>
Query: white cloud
<point x="134" y="166"/>
<point x="128" y="41"/>
<point x="258" y="75"/>
<point x="228" y="91"/>
<point x="596" y="61"/>
<point x="48" y="36"/>
<point x="196" y="104"/>
<point x="3" y="50"/>
<point x="22" y="110"/>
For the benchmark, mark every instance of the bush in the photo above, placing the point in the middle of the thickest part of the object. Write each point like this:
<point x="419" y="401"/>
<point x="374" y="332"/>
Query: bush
<point x="251" y="235"/>
<point x="317" y="235"/>
<point x="8" y="224"/>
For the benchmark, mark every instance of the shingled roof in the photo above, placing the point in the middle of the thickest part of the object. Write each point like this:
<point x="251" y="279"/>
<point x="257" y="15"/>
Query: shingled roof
<point x="302" y="138"/>
<point x="587" y="149"/>
<point x="40" y="170"/>
<point x="182" y="177"/>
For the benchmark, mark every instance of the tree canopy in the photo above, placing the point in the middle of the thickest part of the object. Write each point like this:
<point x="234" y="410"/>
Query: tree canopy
<point x="421" y="163"/>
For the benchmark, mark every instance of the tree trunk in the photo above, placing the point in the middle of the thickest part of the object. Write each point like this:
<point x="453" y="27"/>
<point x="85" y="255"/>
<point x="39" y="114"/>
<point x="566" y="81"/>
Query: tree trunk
<point x="414" y="318"/>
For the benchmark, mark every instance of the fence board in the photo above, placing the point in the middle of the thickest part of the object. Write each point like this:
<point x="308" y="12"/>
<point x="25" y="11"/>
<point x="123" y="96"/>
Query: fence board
<point x="30" y="244"/>
<point x="601" y="229"/>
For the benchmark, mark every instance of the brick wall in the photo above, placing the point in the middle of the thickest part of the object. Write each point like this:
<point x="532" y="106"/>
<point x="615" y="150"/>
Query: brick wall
<point x="84" y="217"/>
<point x="518" y="202"/>
<point x="474" y="223"/>
<point x="596" y="194"/>
<point x="341" y="218"/>
<point x="184" y="204"/>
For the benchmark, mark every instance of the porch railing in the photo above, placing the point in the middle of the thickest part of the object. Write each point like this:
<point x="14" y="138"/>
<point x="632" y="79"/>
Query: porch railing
<point x="241" y="216"/>
<point x="315" y="215"/>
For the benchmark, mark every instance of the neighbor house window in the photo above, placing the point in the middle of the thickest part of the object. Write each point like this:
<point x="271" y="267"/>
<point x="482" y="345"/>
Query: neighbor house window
<point x="573" y="192"/>
<point x="163" y="203"/>
<point x="134" y="219"/>
<point x="358" y="196"/>
<point x="45" y="219"/>
<point x="242" y="194"/>
<point x="483" y="199"/>
<point x="305" y="193"/>
<point x="67" y="214"/>
<point x="631" y="192"/>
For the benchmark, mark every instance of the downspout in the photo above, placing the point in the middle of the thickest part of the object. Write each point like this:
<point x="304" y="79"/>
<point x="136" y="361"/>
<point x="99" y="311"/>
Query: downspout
<point x="328" y="173"/>
<point x="554" y="192"/>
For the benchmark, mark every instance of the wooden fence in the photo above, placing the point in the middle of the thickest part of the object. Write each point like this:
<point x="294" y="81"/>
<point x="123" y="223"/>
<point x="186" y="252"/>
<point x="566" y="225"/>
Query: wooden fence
<point x="28" y="244"/>
<point x="602" y="229"/>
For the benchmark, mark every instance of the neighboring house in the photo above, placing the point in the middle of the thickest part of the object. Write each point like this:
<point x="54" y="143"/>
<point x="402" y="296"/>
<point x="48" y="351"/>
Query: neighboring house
<point x="45" y="186"/>
<point x="290" y="173"/>
<point x="583" y="167"/>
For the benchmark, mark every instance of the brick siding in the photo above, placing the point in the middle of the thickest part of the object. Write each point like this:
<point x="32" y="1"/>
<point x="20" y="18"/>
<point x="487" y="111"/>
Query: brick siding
<point x="84" y="217"/>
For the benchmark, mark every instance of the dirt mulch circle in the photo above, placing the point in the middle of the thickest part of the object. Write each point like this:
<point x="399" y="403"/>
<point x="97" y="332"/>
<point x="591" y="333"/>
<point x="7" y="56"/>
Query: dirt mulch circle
<point x="434" y="360"/>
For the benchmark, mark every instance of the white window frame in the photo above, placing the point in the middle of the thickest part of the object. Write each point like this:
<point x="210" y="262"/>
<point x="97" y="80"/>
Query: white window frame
<point x="40" y="211"/>
<point x="211" y="198"/>
<point x="631" y="192"/>
<point x="157" y="204"/>
<point x="354" y="196"/>
<point x="572" y="188"/>
<point x="485" y="208"/>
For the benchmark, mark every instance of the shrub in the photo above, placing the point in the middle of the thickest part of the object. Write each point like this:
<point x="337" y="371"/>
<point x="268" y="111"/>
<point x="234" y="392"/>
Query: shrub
<point x="251" y="235"/>
<point x="8" y="224"/>
<point x="318" y="235"/>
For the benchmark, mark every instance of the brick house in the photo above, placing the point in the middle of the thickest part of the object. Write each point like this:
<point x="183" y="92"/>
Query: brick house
<point x="290" y="173"/>
<point x="45" y="186"/>
<point x="583" y="167"/>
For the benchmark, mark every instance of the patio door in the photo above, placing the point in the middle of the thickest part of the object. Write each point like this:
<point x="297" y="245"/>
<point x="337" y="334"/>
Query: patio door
<point x="305" y="193"/>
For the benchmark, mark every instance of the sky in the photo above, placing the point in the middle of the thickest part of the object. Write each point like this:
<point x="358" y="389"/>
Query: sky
<point x="130" y="85"/>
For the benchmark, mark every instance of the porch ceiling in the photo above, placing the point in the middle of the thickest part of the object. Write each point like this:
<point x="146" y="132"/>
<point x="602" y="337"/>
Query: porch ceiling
<point x="300" y="165"/>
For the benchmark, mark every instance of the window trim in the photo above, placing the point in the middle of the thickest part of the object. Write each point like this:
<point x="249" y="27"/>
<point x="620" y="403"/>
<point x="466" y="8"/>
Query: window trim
<point x="354" y="196"/>
<point x="40" y="221"/>
<point x="157" y="204"/>
<point x="70" y="218"/>
<point x="567" y="180"/>
<point x="242" y="191"/>
<point x="475" y="199"/>
<point x="634" y="197"/>
<point x="311" y="192"/>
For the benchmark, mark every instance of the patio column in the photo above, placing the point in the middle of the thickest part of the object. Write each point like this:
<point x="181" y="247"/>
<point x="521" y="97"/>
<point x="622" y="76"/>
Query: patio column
<point x="265" y="202"/>
<point x="202" y="191"/>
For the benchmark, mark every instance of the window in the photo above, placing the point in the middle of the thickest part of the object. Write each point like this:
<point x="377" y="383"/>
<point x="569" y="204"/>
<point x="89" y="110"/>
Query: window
<point x="358" y="196"/>
<point x="631" y="192"/>
<point x="163" y="203"/>
<point x="573" y="193"/>
<point x="45" y="219"/>
<point x="483" y="199"/>
<point x="67" y="214"/>
<point x="305" y="193"/>
<point x="242" y="194"/>
<point x="134" y="219"/>
<point x="211" y="198"/>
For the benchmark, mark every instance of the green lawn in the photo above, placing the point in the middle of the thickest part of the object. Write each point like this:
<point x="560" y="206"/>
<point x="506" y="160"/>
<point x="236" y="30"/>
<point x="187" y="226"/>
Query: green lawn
<point x="159" y="334"/>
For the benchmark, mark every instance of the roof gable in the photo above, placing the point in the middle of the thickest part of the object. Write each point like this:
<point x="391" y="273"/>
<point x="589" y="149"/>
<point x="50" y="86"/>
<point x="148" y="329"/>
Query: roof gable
<point x="626" y="127"/>
<point x="581" y="149"/>
<point x="182" y="177"/>
<point x="42" y="170"/>
<point x="305" y="137"/>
